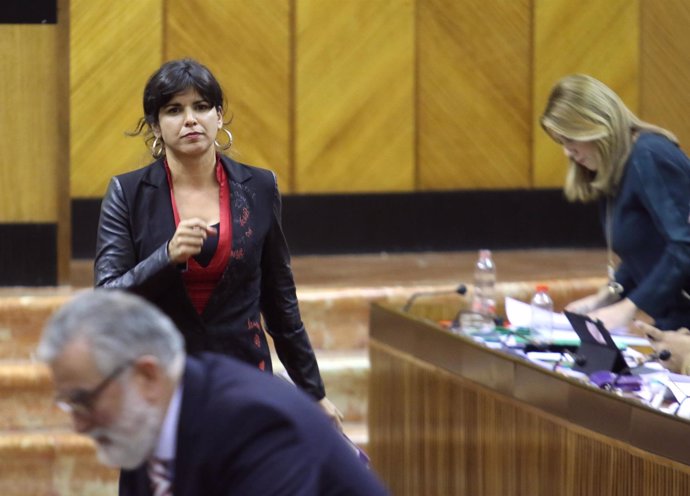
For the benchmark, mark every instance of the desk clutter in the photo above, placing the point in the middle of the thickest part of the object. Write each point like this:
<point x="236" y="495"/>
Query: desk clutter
<point x="563" y="342"/>
<point x="583" y="350"/>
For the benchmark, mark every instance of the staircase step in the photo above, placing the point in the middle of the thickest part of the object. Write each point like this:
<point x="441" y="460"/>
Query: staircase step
<point x="346" y="377"/>
<point x="26" y="398"/>
<point x="358" y="433"/>
<point x="52" y="463"/>
<point x="40" y="455"/>
<point x="21" y="320"/>
<point x="336" y="318"/>
<point x="26" y="390"/>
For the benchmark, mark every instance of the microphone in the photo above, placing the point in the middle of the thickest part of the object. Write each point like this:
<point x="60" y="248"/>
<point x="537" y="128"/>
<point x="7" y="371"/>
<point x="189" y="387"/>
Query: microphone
<point x="663" y="355"/>
<point x="461" y="290"/>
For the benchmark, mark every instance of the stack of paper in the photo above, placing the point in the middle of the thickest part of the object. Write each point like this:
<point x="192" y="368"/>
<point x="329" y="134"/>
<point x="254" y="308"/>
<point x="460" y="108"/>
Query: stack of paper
<point x="519" y="314"/>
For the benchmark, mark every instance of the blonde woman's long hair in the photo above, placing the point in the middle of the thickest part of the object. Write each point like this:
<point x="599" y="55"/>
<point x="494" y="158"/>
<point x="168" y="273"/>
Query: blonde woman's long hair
<point x="581" y="108"/>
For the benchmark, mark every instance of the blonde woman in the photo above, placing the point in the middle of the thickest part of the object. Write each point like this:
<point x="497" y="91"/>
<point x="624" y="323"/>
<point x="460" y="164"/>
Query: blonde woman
<point x="641" y="180"/>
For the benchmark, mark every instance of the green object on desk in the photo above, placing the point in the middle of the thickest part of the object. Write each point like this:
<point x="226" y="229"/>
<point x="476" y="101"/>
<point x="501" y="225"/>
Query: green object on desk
<point x="524" y="335"/>
<point x="521" y="334"/>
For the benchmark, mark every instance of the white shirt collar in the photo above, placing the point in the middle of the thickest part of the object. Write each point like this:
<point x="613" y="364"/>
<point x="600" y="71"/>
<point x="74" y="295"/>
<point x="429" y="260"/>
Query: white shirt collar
<point x="167" y="440"/>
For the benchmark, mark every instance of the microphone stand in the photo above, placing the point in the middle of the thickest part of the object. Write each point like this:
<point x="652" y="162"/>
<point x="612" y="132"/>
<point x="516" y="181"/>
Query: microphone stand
<point x="461" y="290"/>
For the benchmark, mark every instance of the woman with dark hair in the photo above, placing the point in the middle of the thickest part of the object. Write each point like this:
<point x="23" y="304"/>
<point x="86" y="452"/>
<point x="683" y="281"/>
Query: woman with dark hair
<point x="200" y="235"/>
<point x="641" y="179"/>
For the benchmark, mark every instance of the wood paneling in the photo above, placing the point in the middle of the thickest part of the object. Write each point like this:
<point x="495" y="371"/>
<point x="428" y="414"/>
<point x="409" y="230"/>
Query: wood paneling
<point x="354" y="63"/>
<point x="31" y="113"/>
<point x="448" y="416"/>
<point x="665" y="66"/>
<point x="246" y="44"/>
<point x="113" y="51"/>
<point x="474" y="94"/>
<point x="64" y="204"/>
<point x="34" y="162"/>
<point x="382" y="95"/>
<point x="593" y="37"/>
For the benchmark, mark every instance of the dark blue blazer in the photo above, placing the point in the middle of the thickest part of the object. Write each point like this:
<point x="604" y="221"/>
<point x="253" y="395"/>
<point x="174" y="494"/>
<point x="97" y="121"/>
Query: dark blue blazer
<point x="242" y="432"/>
<point x="650" y="229"/>
<point x="135" y="226"/>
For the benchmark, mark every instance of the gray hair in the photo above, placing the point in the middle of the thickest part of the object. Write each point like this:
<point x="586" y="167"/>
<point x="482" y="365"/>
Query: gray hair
<point x="118" y="326"/>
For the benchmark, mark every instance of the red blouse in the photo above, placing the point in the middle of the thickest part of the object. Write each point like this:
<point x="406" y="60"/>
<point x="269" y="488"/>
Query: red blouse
<point x="201" y="281"/>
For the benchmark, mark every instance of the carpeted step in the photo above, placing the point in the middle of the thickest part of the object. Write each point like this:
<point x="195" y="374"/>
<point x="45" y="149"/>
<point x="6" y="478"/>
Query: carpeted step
<point x="26" y="390"/>
<point x="52" y="463"/>
<point x="346" y="377"/>
<point x="22" y="319"/>
<point x="336" y="318"/>
<point x="26" y="398"/>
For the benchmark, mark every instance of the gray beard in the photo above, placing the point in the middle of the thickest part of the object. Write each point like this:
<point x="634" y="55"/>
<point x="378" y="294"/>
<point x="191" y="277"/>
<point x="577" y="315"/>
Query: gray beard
<point x="133" y="436"/>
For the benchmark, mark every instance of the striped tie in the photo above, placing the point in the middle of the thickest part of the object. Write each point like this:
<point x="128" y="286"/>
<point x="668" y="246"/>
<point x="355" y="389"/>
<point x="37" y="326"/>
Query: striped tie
<point x="159" y="474"/>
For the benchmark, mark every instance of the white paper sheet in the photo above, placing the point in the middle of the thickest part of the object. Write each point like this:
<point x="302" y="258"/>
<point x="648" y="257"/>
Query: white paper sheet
<point x="678" y="384"/>
<point x="519" y="314"/>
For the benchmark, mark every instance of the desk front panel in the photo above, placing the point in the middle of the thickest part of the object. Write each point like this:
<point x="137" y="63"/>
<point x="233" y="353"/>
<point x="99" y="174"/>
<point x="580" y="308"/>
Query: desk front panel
<point x="441" y="427"/>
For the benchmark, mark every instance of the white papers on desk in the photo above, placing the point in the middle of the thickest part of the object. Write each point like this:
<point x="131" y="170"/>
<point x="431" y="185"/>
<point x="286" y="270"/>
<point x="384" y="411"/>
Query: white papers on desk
<point x="678" y="384"/>
<point x="520" y="315"/>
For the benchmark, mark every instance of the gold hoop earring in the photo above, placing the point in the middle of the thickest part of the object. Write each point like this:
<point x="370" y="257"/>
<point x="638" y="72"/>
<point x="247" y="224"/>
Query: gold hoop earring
<point x="157" y="148"/>
<point x="226" y="145"/>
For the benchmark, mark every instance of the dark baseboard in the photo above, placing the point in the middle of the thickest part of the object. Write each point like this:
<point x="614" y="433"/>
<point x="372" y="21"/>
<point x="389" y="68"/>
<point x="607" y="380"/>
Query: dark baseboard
<point x="28" y="254"/>
<point x="85" y="213"/>
<point x="28" y="12"/>
<point x="411" y="222"/>
<point x="438" y="221"/>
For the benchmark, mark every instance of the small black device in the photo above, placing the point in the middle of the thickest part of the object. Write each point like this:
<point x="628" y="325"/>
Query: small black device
<point x="598" y="350"/>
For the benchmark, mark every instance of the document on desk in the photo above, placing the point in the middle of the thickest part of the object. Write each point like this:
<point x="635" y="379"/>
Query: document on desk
<point x="678" y="384"/>
<point x="519" y="314"/>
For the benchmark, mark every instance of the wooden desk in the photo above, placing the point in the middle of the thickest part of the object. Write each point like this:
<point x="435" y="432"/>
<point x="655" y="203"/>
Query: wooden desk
<point x="448" y="416"/>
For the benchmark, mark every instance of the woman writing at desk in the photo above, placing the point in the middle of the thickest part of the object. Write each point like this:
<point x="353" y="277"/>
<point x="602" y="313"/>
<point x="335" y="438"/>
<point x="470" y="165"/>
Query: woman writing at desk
<point x="200" y="235"/>
<point x="641" y="180"/>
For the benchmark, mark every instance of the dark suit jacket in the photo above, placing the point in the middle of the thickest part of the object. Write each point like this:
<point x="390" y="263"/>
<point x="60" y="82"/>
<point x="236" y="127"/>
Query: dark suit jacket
<point x="135" y="226"/>
<point x="650" y="231"/>
<point x="245" y="433"/>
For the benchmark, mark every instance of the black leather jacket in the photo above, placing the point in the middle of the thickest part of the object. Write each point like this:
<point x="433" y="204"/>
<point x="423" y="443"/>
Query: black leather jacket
<point x="135" y="226"/>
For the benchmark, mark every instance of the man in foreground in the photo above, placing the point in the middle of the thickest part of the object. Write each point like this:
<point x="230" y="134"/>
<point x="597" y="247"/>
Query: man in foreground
<point x="176" y="424"/>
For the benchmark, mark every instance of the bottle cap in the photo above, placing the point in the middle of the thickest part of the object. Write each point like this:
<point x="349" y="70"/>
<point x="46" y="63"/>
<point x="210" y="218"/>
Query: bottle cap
<point x="542" y="288"/>
<point x="483" y="253"/>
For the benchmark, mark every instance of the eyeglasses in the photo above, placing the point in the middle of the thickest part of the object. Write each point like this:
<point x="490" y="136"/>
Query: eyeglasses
<point x="81" y="402"/>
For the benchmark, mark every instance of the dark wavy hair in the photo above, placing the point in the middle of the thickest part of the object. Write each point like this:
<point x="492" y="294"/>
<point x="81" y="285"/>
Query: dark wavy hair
<point x="170" y="79"/>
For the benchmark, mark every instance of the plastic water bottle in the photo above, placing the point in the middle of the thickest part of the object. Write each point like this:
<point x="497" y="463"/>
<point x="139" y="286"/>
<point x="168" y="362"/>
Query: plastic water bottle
<point x="484" y="296"/>
<point x="542" y="315"/>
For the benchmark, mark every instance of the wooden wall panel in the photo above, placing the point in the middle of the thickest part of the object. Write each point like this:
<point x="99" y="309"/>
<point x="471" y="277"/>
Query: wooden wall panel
<point x="113" y="51"/>
<point x="473" y="94"/>
<point x="32" y="117"/>
<point x="665" y="66"/>
<point x="247" y="47"/>
<point x="593" y="37"/>
<point x="362" y="95"/>
<point x="354" y="96"/>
